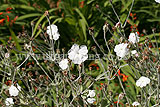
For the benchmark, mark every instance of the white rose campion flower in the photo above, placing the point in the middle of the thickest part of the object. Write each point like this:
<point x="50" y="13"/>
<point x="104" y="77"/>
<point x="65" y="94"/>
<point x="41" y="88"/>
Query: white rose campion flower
<point x="158" y="1"/>
<point x="91" y="100"/>
<point x="78" y="54"/>
<point x="13" y="91"/>
<point x="9" y="102"/>
<point x="52" y="31"/>
<point x="121" y="49"/>
<point x="133" y="38"/>
<point x="135" y="103"/>
<point x="64" y="64"/>
<point x="91" y="93"/>
<point x="142" y="81"/>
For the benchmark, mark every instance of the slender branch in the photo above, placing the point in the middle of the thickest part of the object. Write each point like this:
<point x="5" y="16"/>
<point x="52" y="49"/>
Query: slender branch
<point x="128" y="14"/>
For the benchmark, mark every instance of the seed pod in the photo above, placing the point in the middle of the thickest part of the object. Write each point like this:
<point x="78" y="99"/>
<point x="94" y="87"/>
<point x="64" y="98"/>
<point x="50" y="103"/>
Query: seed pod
<point x="41" y="77"/>
<point x="65" y="73"/>
<point x="30" y="74"/>
<point x="148" y="72"/>
<point x="63" y="50"/>
<point x="36" y="80"/>
<point x="73" y="77"/>
<point x="93" y="48"/>
<point x="80" y="80"/>
<point x="91" y="30"/>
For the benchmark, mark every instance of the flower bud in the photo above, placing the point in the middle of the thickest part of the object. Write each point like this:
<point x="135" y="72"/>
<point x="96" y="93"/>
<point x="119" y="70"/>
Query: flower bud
<point x="97" y="6"/>
<point x="46" y="13"/>
<point x="91" y="30"/>
<point x="32" y="23"/>
<point x="73" y="77"/>
<point x="80" y="80"/>
<point x="65" y="72"/>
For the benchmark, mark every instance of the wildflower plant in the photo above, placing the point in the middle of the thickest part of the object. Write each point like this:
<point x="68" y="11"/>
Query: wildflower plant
<point x="127" y="68"/>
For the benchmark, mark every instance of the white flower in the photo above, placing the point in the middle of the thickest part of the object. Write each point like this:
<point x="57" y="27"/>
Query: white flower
<point x="9" y="102"/>
<point x="91" y="100"/>
<point x="83" y="50"/>
<point x="13" y="91"/>
<point x="63" y="64"/>
<point x="52" y="28"/>
<point x="78" y="54"/>
<point x="158" y="1"/>
<point x="91" y="93"/>
<point x="134" y="52"/>
<point x="135" y="103"/>
<point x="133" y="38"/>
<point x="121" y="50"/>
<point x="142" y="81"/>
<point x="52" y="31"/>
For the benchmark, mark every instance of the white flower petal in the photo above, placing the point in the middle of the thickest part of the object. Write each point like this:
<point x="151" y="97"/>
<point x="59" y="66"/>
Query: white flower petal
<point x="52" y="31"/>
<point x="91" y="100"/>
<point x="84" y="57"/>
<point x="71" y="54"/>
<point x="138" y="83"/>
<point x="135" y="103"/>
<point x="64" y="64"/>
<point x="91" y="93"/>
<point x="56" y="36"/>
<point x="142" y="81"/>
<point x="83" y="50"/>
<point x="9" y="102"/>
<point x="52" y="28"/>
<point x="121" y="49"/>
<point x="75" y="47"/>
<point x="158" y="1"/>
<point x="77" y="59"/>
